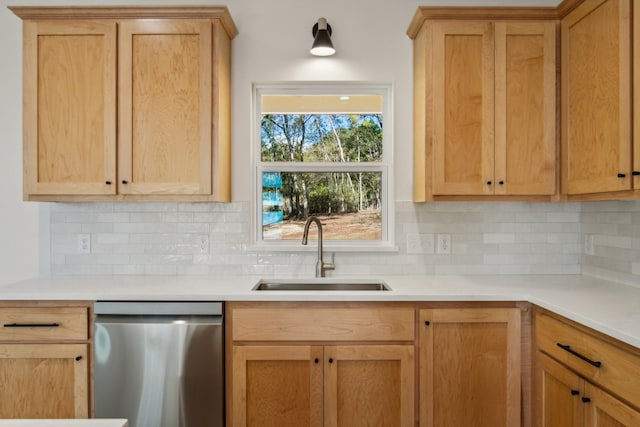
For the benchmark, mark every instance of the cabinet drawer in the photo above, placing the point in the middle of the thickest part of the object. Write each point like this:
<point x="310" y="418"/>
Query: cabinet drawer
<point x="618" y="370"/>
<point x="323" y="324"/>
<point x="43" y="324"/>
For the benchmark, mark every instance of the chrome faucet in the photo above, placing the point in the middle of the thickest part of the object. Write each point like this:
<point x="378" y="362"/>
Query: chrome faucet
<point x="321" y="266"/>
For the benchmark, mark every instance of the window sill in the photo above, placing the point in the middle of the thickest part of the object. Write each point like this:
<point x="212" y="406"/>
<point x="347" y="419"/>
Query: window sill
<point x="327" y="247"/>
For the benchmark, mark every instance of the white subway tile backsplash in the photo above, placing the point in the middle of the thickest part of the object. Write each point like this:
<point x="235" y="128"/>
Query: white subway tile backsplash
<point x="487" y="238"/>
<point x="499" y="238"/>
<point x="573" y="217"/>
<point x="162" y="269"/>
<point x="126" y="270"/>
<point x="111" y="238"/>
<point x="612" y="241"/>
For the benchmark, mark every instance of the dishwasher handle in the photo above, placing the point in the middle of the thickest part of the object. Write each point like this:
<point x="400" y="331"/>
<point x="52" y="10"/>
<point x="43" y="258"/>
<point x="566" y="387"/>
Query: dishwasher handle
<point x="158" y="308"/>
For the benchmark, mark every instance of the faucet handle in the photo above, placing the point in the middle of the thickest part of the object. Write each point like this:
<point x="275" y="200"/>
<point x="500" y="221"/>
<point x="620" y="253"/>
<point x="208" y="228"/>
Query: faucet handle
<point x="328" y="265"/>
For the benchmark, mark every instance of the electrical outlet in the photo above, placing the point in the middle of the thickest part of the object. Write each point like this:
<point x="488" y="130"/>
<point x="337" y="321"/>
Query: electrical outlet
<point x="84" y="243"/>
<point x="444" y="244"/>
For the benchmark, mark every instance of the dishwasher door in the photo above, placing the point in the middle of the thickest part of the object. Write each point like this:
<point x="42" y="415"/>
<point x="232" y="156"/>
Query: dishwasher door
<point x="159" y="364"/>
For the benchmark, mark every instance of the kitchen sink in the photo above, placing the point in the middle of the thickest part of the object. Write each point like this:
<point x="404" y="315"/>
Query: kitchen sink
<point x="320" y="285"/>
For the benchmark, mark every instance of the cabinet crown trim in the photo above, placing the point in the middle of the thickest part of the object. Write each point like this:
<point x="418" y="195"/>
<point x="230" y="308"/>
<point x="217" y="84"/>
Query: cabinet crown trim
<point x="128" y="12"/>
<point x="424" y="13"/>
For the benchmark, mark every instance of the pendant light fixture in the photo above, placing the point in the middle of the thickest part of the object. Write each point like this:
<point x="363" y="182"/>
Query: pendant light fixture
<point x="322" y="45"/>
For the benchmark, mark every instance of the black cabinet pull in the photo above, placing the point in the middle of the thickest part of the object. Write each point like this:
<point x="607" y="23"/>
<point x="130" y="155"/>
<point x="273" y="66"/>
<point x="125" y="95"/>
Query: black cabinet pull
<point x="427" y="323"/>
<point x="108" y="182"/>
<point x="488" y="182"/>
<point x="501" y="183"/>
<point x="316" y="360"/>
<point x="331" y="360"/>
<point x="622" y="175"/>
<point x="124" y="181"/>
<point x="580" y="356"/>
<point x="574" y="392"/>
<point x="586" y="399"/>
<point x="635" y="173"/>
<point x="78" y="358"/>
<point x="31" y="325"/>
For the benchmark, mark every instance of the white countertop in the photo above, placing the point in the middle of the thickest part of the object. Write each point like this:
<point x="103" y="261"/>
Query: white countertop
<point x="65" y="423"/>
<point x="608" y="307"/>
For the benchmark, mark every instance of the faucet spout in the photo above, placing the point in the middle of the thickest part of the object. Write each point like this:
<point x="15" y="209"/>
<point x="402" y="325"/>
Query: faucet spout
<point x="321" y="266"/>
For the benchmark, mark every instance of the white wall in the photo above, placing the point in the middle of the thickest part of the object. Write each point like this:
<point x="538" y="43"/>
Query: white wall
<point x="272" y="45"/>
<point x="20" y="237"/>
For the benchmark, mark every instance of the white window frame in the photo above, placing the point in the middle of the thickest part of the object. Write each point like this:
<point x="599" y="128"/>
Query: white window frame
<point x="385" y="166"/>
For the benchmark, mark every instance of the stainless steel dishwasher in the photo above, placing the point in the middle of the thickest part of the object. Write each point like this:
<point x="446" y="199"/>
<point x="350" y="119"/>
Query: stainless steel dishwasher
<point x="160" y="364"/>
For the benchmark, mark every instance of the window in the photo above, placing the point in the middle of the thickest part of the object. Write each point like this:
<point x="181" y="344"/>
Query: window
<point x="323" y="150"/>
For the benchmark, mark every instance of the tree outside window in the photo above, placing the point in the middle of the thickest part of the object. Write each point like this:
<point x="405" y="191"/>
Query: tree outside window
<point x="322" y="154"/>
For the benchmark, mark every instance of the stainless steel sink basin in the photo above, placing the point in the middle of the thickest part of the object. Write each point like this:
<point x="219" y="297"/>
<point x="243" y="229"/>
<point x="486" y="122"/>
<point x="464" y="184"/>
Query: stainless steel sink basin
<point x="320" y="285"/>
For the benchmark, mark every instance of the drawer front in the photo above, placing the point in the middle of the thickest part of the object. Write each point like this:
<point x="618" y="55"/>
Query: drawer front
<point x="618" y="370"/>
<point x="323" y="324"/>
<point x="44" y="324"/>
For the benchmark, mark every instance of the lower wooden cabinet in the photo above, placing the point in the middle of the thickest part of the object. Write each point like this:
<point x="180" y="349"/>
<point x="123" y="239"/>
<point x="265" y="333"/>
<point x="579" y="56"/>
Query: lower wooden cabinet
<point x="366" y="364"/>
<point x="583" y="378"/>
<point x="470" y="367"/>
<point x="277" y="386"/>
<point x="567" y="400"/>
<point x="44" y="381"/>
<point x="343" y="385"/>
<point x="321" y="364"/>
<point x="369" y="385"/>
<point x="604" y="410"/>
<point x="558" y="394"/>
<point x="45" y="360"/>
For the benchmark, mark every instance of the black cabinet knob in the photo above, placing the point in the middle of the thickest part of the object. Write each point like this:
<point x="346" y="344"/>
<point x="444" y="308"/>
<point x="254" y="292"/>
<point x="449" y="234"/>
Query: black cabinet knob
<point x="316" y="360"/>
<point x="574" y="392"/>
<point x="501" y="183"/>
<point x="108" y="182"/>
<point x="331" y="360"/>
<point x="427" y="323"/>
<point x="78" y="358"/>
<point x="488" y="182"/>
<point x="124" y="181"/>
<point x="586" y="399"/>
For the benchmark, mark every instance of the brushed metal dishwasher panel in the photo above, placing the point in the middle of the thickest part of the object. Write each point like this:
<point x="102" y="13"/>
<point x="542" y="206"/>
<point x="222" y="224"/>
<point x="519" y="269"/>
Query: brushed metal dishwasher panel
<point x="160" y="371"/>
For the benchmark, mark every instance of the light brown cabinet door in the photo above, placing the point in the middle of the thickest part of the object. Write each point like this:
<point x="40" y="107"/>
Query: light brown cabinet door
<point x="558" y="395"/>
<point x="463" y="108"/>
<point x="525" y="108"/>
<point x="369" y="386"/>
<point x="44" y="381"/>
<point x="277" y="386"/>
<point x="596" y="98"/>
<point x="470" y="367"/>
<point x="603" y="410"/>
<point x="165" y="107"/>
<point x="69" y="108"/>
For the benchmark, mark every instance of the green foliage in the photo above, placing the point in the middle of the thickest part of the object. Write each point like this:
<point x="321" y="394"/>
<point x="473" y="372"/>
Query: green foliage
<point x="325" y="139"/>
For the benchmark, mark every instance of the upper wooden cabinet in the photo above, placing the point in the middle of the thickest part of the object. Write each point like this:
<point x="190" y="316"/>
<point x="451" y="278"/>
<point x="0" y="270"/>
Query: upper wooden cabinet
<point x="484" y="103"/>
<point x="596" y="98"/>
<point x="127" y="103"/>
<point x="69" y="102"/>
